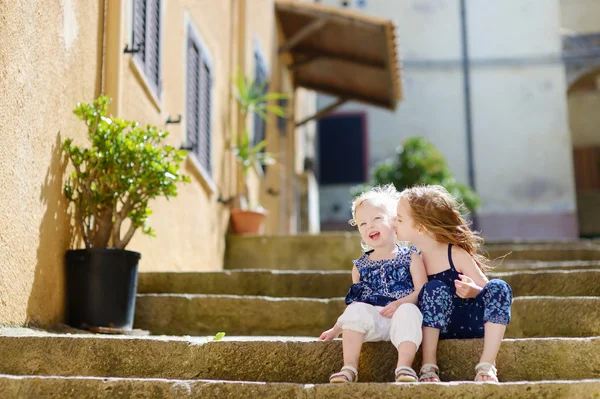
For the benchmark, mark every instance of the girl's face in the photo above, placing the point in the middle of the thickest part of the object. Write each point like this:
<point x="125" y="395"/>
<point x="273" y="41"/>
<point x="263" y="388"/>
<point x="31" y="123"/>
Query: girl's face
<point x="405" y="225"/>
<point x="375" y="225"/>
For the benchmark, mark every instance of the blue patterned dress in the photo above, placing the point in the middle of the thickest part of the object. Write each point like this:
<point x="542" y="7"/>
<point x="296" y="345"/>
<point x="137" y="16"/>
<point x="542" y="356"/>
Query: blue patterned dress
<point x="382" y="281"/>
<point x="462" y="318"/>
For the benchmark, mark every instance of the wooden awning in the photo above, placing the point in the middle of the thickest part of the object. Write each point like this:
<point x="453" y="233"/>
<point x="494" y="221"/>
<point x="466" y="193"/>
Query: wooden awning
<point x="340" y="52"/>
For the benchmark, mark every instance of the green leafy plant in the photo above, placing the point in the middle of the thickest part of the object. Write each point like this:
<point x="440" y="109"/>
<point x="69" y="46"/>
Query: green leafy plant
<point x="252" y="98"/>
<point x="114" y="179"/>
<point x="418" y="162"/>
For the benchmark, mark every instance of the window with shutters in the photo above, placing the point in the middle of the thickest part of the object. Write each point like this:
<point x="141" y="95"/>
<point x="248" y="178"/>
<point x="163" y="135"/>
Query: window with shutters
<point x="260" y="77"/>
<point x="146" y="40"/>
<point x="198" y="101"/>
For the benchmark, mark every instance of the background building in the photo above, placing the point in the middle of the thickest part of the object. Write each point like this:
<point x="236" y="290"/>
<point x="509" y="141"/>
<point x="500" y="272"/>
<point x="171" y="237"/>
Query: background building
<point x="501" y="119"/>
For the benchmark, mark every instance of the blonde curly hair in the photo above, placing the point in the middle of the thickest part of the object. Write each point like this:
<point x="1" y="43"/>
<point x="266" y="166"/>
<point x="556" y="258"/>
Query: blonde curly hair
<point x="386" y="195"/>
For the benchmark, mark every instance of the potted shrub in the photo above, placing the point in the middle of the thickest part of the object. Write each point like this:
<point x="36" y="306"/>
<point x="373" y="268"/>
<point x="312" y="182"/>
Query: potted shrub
<point x="112" y="183"/>
<point x="251" y="96"/>
<point x="418" y="162"/>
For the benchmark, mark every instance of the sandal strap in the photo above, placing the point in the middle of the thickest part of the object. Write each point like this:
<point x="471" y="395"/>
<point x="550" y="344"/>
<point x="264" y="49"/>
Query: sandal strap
<point x="485" y="368"/>
<point x="406" y="371"/>
<point x="345" y="371"/>
<point x="429" y="370"/>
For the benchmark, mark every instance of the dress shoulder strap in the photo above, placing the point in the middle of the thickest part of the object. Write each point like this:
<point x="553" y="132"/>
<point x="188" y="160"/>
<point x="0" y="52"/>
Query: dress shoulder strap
<point x="450" y="257"/>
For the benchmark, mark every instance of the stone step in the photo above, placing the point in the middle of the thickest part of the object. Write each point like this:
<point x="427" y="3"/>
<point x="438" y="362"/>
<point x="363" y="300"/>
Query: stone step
<point x="335" y="251"/>
<point x="335" y="283"/>
<point x="544" y="252"/>
<point x="524" y="265"/>
<point x="141" y="388"/>
<point x="278" y="360"/>
<point x="177" y="314"/>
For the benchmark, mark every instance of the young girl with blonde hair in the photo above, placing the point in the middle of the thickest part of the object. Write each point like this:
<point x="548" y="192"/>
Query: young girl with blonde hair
<point x="458" y="301"/>
<point x="386" y="283"/>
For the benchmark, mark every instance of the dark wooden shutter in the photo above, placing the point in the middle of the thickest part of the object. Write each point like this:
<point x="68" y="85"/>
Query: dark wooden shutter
<point x="146" y="36"/>
<point x="193" y="96"/>
<point x="153" y="42"/>
<point x="587" y="168"/>
<point x="139" y="29"/>
<point x="204" y="120"/>
<point x="198" y="104"/>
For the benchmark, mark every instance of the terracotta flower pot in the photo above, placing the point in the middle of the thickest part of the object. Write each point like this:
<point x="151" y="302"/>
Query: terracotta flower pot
<point x="248" y="222"/>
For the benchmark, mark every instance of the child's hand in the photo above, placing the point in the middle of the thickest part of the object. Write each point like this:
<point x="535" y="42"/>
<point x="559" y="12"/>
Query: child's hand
<point x="330" y="334"/>
<point x="389" y="310"/>
<point x="466" y="287"/>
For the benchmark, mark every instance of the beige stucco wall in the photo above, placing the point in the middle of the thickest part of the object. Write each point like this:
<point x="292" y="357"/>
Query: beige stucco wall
<point x="51" y="58"/>
<point x="580" y="15"/>
<point x="48" y="62"/>
<point x="190" y="228"/>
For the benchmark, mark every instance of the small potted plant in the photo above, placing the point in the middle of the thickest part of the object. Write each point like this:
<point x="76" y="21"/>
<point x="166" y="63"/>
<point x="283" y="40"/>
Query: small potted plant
<point x="249" y="217"/>
<point x="112" y="183"/>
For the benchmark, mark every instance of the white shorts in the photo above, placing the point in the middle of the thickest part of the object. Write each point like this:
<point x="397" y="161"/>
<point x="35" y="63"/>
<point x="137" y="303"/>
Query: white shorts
<point x="405" y="324"/>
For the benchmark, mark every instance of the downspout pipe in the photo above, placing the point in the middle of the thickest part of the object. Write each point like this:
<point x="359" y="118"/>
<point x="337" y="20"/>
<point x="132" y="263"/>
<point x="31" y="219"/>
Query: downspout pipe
<point x="466" y="68"/>
<point x="115" y="12"/>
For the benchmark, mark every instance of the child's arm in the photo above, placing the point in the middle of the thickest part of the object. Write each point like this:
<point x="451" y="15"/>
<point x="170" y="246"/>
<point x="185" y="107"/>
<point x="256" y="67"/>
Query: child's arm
<point x="472" y="277"/>
<point x="419" y="277"/>
<point x="355" y="275"/>
<point x="335" y="331"/>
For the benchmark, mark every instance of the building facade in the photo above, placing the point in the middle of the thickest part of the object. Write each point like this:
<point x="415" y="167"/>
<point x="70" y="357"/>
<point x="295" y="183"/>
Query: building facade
<point x="168" y="64"/>
<point x="503" y="129"/>
<point x="165" y="63"/>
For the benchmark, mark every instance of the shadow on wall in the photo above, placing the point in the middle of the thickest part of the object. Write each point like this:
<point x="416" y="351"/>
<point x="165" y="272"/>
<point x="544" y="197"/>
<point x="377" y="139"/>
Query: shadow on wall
<point x="46" y="300"/>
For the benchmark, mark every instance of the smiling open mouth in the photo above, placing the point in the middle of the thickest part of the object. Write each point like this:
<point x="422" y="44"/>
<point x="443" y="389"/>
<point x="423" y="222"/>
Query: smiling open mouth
<point x="375" y="235"/>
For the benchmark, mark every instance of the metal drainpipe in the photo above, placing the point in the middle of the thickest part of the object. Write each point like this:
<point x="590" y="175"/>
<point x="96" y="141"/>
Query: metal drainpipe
<point x="467" y="91"/>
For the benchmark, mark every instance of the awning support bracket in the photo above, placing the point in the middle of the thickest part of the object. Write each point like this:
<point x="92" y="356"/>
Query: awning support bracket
<point x="302" y="34"/>
<point x="341" y="101"/>
<point x="306" y="60"/>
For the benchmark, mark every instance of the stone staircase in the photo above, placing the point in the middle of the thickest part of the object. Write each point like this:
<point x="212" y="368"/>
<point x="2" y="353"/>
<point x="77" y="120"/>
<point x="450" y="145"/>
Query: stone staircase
<point x="279" y="294"/>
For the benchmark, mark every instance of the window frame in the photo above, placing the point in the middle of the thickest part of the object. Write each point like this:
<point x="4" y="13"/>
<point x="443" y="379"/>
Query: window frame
<point x="192" y="34"/>
<point x="154" y="89"/>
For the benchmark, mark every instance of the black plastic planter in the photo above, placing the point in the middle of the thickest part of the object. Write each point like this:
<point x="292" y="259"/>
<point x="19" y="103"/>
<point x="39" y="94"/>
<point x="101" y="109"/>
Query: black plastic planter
<point x="101" y="287"/>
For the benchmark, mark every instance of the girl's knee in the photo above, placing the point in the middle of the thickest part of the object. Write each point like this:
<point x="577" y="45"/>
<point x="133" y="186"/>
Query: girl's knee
<point x="499" y="287"/>
<point x="497" y="300"/>
<point x="406" y="325"/>
<point x="358" y="317"/>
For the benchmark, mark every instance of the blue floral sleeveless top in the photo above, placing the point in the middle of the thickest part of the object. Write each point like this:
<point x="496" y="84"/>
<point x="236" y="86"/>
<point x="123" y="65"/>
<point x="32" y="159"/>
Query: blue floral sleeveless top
<point x="382" y="281"/>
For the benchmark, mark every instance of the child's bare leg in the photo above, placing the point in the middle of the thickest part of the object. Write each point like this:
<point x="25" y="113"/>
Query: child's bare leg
<point x="406" y="353"/>
<point x="493" y="334"/>
<point x="352" y="343"/>
<point x="431" y="336"/>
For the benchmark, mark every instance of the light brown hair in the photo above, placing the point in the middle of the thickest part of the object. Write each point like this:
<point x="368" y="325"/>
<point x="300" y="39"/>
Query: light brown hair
<point x="434" y="209"/>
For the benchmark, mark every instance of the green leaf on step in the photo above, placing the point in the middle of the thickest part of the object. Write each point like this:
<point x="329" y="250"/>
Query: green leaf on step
<point x="219" y="336"/>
